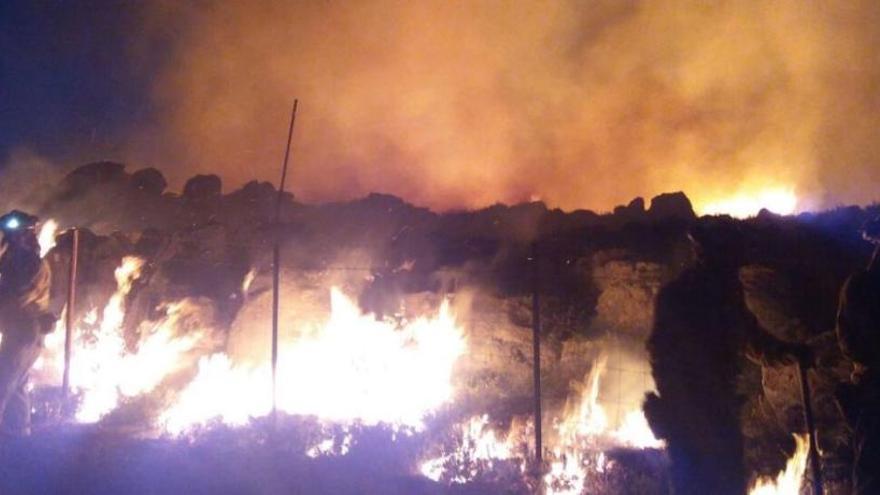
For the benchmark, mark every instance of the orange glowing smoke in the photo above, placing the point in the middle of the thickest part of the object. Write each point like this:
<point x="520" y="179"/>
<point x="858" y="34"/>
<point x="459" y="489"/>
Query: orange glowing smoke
<point x="464" y="104"/>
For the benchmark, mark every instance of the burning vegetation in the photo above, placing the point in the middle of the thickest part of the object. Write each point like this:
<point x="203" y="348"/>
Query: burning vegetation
<point x="406" y="332"/>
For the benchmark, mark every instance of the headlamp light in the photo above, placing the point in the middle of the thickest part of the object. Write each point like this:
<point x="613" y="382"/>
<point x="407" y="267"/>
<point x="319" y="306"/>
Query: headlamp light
<point x="12" y="224"/>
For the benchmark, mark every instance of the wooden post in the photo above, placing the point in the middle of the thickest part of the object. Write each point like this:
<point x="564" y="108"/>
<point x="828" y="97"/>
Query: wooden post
<point x="536" y="348"/>
<point x="276" y="268"/>
<point x="71" y="310"/>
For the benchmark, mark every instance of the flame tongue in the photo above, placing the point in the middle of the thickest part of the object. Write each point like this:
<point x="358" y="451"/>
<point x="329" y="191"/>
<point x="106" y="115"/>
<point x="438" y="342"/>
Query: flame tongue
<point x="352" y="369"/>
<point x="46" y="237"/>
<point x="788" y="481"/>
<point x="103" y="371"/>
<point x="577" y="448"/>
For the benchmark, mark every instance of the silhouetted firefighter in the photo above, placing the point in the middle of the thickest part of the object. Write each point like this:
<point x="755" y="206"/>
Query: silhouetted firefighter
<point x="858" y="332"/>
<point x="702" y="331"/>
<point x="24" y="319"/>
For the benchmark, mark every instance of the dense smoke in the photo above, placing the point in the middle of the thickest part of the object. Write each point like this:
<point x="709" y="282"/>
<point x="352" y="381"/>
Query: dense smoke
<point x="580" y="104"/>
<point x="27" y="181"/>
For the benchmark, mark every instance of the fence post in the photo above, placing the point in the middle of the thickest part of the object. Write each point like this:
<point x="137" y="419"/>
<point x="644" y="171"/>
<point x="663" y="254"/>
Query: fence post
<point x="71" y="309"/>
<point x="536" y="348"/>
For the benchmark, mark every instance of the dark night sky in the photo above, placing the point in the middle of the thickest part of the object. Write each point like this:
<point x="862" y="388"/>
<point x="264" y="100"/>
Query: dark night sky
<point x="69" y="75"/>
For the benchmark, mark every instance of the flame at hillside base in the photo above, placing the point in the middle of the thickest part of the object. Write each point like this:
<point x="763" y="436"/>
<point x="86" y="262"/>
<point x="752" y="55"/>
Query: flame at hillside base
<point x="104" y="371"/>
<point x="585" y="432"/>
<point x="351" y="368"/>
<point x="479" y="447"/>
<point x="575" y="453"/>
<point x="789" y="480"/>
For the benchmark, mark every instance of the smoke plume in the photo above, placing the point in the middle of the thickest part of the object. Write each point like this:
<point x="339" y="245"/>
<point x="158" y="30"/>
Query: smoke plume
<point x="579" y="104"/>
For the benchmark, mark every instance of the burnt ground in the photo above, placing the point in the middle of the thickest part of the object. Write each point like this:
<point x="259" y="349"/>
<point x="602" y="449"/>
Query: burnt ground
<point x="84" y="460"/>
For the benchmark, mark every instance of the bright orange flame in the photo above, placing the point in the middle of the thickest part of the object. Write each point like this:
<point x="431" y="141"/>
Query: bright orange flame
<point x="351" y="369"/>
<point x="788" y="481"/>
<point x="103" y="371"/>
<point x="584" y="430"/>
<point x="46" y="237"/>
<point x="479" y="442"/>
<point x="577" y="449"/>
<point x="748" y="203"/>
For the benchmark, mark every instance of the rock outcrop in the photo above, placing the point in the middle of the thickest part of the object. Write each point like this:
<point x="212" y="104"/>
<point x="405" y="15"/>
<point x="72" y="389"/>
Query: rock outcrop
<point x="675" y="206"/>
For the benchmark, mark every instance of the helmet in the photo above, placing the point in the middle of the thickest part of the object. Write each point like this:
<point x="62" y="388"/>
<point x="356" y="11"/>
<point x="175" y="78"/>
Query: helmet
<point x="17" y="221"/>
<point x="871" y="230"/>
<point x="718" y="238"/>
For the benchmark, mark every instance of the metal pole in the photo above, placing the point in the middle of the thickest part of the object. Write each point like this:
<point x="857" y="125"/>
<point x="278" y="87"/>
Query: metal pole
<point x="71" y="309"/>
<point x="536" y="359"/>
<point x="806" y="398"/>
<point x="276" y="268"/>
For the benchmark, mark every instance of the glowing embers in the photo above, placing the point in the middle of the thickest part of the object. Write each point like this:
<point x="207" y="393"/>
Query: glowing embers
<point x="353" y="368"/>
<point x="788" y="481"/>
<point x="477" y="450"/>
<point x="748" y="203"/>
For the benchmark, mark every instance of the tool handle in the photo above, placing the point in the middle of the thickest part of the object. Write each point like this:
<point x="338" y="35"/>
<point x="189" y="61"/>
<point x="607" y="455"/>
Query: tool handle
<point x="807" y="399"/>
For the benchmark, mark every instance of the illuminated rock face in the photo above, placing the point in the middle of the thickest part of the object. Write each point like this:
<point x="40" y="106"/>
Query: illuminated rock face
<point x="626" y="300"/>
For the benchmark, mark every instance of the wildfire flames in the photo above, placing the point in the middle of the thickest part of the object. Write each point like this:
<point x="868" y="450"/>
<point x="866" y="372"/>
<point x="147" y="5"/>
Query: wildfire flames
<point x="581" y="438"/>
<point x="46" y="236"/>
<point x="352" y="369"/>
<point x="745" y="204"/>
<point x="788" y="481"/>
<point x="104" y="370"/>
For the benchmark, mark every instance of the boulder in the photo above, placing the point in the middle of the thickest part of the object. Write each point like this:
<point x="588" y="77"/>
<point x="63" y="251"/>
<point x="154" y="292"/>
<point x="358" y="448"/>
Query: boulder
<point x="149" y="180"/>
<point x="87" y="176"/>
<point x="635" y="210"/>
<point x="671" y="206"/>
<point x="203" y="188"/>
<point x="257" y="192"/>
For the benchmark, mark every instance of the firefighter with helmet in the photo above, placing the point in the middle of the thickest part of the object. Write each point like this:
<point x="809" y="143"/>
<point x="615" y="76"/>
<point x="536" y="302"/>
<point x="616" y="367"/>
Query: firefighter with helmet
<point x="702" y="332"/>
<point x="24" y="316"/>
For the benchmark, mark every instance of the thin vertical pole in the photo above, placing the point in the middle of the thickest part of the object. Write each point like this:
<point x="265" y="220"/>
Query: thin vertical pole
<point x="276" y="268"/>
<point x="536" y="359"/>
<point x="815" y="463"/>
<point x="71" y="310"/>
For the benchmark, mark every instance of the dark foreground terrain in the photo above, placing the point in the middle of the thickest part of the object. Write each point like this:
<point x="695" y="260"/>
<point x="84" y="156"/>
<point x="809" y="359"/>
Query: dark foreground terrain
<point x="89" y="460"/>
